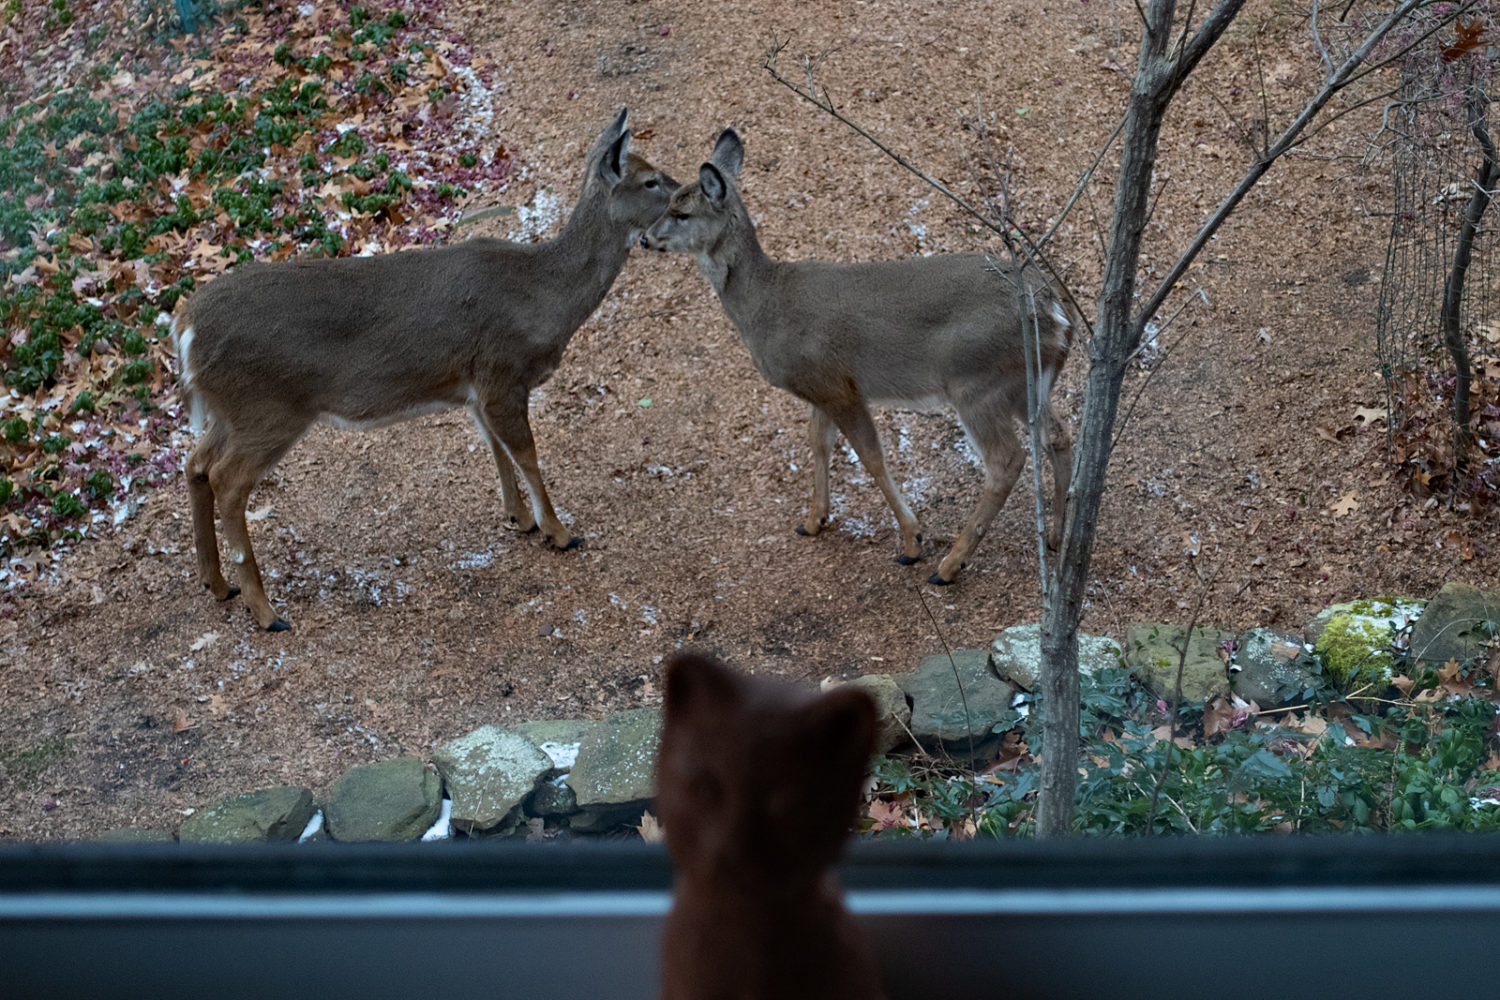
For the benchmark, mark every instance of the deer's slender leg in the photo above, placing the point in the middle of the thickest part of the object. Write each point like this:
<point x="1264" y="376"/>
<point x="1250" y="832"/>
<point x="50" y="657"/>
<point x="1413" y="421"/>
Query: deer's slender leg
<point x="854" y="420"/>
<point x="232" y="479"/>
<point x="201" y="498"/>
<point x="508" y="419"/>
<point x="821" y="437"/>
<point x="516" y="513"/>
<point x="1003" y="460"/>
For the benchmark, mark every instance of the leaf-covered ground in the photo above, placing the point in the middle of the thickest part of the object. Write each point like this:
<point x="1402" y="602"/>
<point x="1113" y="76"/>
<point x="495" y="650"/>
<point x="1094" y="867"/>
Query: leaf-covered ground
<point x="322" y="128"/>
<point x="128" y="696"/>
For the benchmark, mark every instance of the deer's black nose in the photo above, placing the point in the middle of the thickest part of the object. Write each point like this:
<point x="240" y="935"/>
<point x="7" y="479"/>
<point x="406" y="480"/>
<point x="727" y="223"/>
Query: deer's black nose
<point x="644" y="244"/>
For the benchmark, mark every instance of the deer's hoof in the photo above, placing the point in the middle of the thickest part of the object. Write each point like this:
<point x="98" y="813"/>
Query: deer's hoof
<point x="574" y="542"/>
<point x="906" y="560"/>
<point x="233" y="591"/>
<point x="803" y="531"/>
<point x="937" y="581"/>
<point x="279" y="625"/>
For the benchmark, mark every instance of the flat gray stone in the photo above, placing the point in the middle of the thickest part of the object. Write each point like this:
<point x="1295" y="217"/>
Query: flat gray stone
<point x="1016" y="655"/>
<point x="892" y="713"/>
<point x="271" y="814"/>
<point x="560" y="739"/>
<point x="394" y="800"/>
<point x="1153" y="651"/>
<point x="958" y="702"/>
<point x="488" y="772"/>
<point x="1451" y="625"/>
<point x="614" y="774"/>
<point x="1275" y="669"/>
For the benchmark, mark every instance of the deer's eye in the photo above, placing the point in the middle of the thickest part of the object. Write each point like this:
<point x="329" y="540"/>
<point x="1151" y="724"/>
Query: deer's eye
<point x="652" y="184"/>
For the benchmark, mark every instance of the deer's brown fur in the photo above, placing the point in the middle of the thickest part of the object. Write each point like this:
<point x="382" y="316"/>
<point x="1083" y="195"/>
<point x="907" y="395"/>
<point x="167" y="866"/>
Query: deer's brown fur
<point x="268" y="349"/>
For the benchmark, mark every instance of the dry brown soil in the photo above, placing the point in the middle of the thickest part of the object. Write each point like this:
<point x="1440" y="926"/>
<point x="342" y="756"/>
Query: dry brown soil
<point x="416" y="616"/>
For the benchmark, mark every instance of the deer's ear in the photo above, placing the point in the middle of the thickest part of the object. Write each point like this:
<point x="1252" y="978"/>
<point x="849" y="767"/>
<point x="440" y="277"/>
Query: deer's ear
<point x="729" y="153"/>
<point x="697" y="684"/>
<point x="713" y="184"/>
<point x="612" y="168"/>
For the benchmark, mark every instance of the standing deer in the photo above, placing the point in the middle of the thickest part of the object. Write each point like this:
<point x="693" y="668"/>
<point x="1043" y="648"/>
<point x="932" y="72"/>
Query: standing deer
<point x="268" y="349"/>
<point x="925" y="331"/>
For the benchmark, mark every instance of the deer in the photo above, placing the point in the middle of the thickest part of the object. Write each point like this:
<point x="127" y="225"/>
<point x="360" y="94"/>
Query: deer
<point x="757" y="787"/>
<point x="921" y="332"/>
<point x="268" y="349"/>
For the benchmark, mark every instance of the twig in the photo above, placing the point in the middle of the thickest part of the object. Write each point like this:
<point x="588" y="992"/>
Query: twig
<point x="1084" y="180"/>
<point x="1344" y="76"/>
<point x="1265" y="100"/>
<point x="1145" y="21"/>
<point x="769" y="64"/>
<point x="1166" y="353"/>
<point x="968" y="728"/>
<point x="1187" y="638"/>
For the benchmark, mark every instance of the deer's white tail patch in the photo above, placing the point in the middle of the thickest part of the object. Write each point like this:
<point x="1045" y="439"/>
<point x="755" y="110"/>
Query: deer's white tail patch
<point x="197" y="411"/>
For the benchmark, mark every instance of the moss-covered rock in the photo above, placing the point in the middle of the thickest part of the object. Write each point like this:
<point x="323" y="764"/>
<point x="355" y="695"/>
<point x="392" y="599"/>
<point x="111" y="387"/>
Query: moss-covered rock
<point x="271" y="814"/>
<point x="957" y="702"/>
<point x="487" y="773"/>
<point x="1017" y="655"/>
<point x="1354" y="640"/>
<point x="613" y="776"/>
<point x="1153" y="653"/>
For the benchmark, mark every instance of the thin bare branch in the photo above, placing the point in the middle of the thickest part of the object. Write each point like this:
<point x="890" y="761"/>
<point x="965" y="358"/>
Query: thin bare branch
<point x="1446" y="19"/>
<point x="1035" y="251"/>
<point x="1287" y="139"/>
<point x="1084" y="180"/>
<point x="1318" y="37"/>
<point x="1145" y="21"/>
<point x="1165" y="354"/>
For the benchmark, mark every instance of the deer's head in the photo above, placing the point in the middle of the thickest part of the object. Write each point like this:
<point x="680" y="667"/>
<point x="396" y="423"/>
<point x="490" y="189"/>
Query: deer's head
<point x="698" y="214"/>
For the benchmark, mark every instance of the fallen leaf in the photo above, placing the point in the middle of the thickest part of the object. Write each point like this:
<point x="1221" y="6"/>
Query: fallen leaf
<point x="1344" y="505"/>
<point x="180" y="721"/>
<point x="1313" y="725"/>
<point x="650" y="828"/>
<point x="204" y="641"/>
<point x="886" y="814"/>
<point x="1368" y="414"/>
<point x="1163" y="732"/>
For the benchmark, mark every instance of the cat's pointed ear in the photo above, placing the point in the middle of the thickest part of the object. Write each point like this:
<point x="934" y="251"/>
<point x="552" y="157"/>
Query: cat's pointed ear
<point x="841" y="727"/>
<point x="695" y="682"/>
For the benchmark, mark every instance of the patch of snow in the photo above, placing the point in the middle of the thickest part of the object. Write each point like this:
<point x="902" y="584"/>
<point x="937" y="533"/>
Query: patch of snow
<point x="475" y="560"/>
<point x="313" y="826"/>
<point x="564" y="755"/>
<point x="536" y="220"/>
<point x="442" y="829"/>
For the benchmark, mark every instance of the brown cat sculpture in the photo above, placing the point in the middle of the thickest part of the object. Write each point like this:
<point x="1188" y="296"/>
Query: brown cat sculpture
<point x="757" y="787"/>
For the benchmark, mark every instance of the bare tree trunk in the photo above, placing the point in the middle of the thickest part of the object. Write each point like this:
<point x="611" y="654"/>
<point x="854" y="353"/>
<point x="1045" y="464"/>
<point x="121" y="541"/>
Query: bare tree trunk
<point x="1161" y="70"/>
<point x="1453" y="290"/>
<point x="1115" y="337"/>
